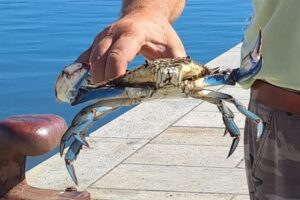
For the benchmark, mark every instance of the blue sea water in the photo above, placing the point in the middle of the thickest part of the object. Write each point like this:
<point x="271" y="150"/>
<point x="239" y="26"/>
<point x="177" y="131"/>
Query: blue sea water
<point x="38" y="38"/>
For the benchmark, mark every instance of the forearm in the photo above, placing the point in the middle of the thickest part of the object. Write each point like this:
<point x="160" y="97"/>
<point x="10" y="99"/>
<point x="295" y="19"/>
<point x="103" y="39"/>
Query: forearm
<point x="170" y="9"/>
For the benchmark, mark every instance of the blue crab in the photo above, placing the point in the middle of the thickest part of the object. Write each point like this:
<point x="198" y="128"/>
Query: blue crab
<point x="161" y="78"/>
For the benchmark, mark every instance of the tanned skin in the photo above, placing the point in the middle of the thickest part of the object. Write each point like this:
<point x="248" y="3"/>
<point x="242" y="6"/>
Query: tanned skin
<point x="143" y="28"/>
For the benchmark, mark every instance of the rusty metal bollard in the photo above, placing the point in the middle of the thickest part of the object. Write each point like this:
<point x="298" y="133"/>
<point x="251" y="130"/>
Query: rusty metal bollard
<point x="29" y="135"/>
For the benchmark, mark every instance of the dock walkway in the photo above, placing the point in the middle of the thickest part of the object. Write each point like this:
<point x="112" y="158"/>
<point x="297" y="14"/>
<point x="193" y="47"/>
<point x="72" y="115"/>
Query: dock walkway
<point x="159" y="150"/>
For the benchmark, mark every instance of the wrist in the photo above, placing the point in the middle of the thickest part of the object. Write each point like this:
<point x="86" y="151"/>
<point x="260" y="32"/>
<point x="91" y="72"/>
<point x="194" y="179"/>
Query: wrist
<point x="145" y="15"/>
<point x="169" y="10"/>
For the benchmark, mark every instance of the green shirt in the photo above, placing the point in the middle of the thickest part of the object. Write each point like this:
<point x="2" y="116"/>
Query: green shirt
<point x="280" y="24"/>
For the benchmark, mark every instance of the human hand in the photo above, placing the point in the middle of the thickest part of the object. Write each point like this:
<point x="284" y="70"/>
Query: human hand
<point x="118" y="44"/>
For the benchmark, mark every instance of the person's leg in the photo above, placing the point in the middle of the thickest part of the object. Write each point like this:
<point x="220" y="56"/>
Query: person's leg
<point x="273" y="163"/>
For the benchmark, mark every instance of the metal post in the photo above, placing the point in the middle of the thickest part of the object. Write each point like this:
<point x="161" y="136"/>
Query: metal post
<point x="29" y="135"/>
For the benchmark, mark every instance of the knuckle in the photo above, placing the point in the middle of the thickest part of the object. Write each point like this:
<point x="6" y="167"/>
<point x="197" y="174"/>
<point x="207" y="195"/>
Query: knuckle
<point x="107" y="30"/>
<point x="115" y="54"/>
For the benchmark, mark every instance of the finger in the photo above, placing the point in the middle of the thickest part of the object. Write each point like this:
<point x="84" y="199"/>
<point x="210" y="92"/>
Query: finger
<point x="153" y="51"/>
<point x="175" y="49"/>
<point x="175" y="46"/>
<point x="108" y="31"/>
<point x="121" y="53"/>
<point x="98" y="58"/>
<point x="171" y="47"/>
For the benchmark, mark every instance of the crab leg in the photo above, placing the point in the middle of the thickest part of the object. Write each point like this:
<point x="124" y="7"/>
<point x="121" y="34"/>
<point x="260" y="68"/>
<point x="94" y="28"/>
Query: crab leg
<point x="228" y="117"/>
<point x="247" y="113"/>
<point x="218" y="98"/>
<point x="88" y="115"/>
<point x="240" y="107"/>
<point x="86" y="94"/>
<point x="84" y="120"/>
<point x="243" y="110"/>
<point x="250" y="66"/>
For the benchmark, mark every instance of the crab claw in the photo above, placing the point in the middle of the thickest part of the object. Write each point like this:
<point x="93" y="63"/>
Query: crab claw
<point x="70" y="80"/>
<point x="81" y="139"/>
<point x="234" y="144"/>
<point x="85" y="94"/>
<point x="250" y="66"/>
<point x="74" y="87"/>
<point x="231" y="126"/>
<point x="217" y="79"/>
<point x="71" y="171"/>
<point x="260" y="128"/>
<point x="64" y="140"/>
<point x="234" y="132"/>
<point x="81" y="122"/>
<point x="251" y="63"/>
<point x="71" y="155"/>
<point x="225" y="132"/>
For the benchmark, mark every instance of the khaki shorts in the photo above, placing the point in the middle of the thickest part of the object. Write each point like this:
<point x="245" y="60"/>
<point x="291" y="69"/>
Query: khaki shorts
<point x="273" y="163"/>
